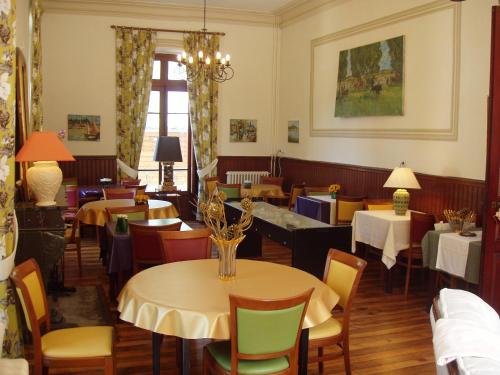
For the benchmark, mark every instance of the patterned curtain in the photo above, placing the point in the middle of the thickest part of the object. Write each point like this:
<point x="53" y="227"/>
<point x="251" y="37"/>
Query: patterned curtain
<point x="203" y="96"/>
<point x="36" y="66"/>
<point x="11" y="344"/>
<point x="135" y="50"/>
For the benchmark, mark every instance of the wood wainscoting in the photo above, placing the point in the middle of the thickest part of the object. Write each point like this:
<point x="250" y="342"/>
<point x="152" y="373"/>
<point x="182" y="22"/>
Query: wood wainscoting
<point x="89" y="169"/>
<point x="437" y="193"/>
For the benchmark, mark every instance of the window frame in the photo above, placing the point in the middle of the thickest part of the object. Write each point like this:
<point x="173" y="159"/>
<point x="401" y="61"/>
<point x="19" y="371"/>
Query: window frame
<point x="164" y="85"/>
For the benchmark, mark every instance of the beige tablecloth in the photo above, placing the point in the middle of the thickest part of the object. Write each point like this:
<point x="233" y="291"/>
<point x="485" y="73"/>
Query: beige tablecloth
<point x="384" y="230"/>
<point x="259" y="190"/>
<point x="94" y="213"/>
<point x="187" y="299"/>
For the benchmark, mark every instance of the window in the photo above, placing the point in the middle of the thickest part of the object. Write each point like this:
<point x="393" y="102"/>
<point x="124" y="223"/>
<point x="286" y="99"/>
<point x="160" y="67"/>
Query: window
<point x="168" y="114"/>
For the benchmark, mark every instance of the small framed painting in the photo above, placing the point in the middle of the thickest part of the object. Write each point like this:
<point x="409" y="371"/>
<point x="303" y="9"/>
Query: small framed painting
<point x="293" y="131"/>
<point x="84" y="128"/>
<point x="242" y="130"/>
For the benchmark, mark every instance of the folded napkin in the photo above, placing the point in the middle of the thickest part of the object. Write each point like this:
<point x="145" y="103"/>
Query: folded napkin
<point x="455" y="338"/>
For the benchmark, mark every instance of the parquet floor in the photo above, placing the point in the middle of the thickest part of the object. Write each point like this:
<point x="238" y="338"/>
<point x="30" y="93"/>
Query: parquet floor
<point x="389" y="335"/>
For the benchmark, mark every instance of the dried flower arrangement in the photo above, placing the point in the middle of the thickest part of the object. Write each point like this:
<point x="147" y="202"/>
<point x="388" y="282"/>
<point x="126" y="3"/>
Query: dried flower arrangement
<point x="457" y="219"/>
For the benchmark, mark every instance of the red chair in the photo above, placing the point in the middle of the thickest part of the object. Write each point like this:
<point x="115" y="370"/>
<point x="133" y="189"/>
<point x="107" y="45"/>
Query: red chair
<point x="72" y="230"/>
<point x="72" y="202"/>
<point x="119" y="193"/>
<point x="130" y="181"/>
<point x="146" y="245"/>
<point x="186" y="245"/>
<point x="272" y="180"/>
<point x="420" y="224"/>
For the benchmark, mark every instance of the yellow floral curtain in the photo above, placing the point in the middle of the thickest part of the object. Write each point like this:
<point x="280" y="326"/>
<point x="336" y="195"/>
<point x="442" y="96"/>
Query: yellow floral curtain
<point x="36" y="66"/>
<point x="203" y="112"/>
<point x="135" y="51"/>
<point x="12" y="344"/>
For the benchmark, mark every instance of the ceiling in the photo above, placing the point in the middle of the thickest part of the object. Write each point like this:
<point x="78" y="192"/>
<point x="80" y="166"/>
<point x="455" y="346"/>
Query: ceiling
<point x="248" y="5"/>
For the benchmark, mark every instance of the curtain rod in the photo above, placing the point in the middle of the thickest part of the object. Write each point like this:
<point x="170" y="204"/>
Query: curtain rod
<point x="168" y="30"/>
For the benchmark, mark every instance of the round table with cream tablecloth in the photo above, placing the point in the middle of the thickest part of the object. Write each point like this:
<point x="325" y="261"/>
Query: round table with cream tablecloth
<point x="187" y="299"/>
<point x="94" y="213"/>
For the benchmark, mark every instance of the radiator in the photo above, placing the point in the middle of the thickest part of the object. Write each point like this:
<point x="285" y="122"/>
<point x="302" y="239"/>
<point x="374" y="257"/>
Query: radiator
<point x="238" y="177"/>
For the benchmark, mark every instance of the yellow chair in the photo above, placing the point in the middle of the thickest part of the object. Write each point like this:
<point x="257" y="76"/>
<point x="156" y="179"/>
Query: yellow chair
<point x="378" y="204"/>
<point x="345" y="208"/>
<point x="342" y="273"/>
<point x="63" y="348"/>
<point x="210" y="185"/>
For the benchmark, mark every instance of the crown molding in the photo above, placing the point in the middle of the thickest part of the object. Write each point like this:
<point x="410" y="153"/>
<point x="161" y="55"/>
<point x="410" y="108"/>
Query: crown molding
<point x="297" y="10"/>
<point x="157" y="10"/>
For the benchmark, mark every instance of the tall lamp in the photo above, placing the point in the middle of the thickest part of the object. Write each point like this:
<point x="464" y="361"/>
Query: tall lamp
<point x="44" y="149"/>
<point x="168" y="151"/>
<point x="402" y="178"/>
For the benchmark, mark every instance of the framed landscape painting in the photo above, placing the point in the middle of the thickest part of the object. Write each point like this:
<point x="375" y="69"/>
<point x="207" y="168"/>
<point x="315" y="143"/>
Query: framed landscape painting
<point x="370" y="80"/>
<point x="84" y="128"/>
<point x="242" y="130"/>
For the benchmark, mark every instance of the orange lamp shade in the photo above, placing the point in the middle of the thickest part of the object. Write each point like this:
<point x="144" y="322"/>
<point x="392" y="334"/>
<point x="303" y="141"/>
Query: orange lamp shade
<point x="44" y="146"/>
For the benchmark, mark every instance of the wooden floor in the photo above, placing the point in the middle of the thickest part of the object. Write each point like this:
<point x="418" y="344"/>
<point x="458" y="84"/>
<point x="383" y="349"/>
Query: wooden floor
<point x="388" y="334"/>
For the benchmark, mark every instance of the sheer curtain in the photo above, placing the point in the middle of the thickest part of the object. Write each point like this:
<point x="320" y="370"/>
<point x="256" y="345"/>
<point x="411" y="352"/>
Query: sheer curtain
<point x="135" y="50"/>
<point x="203" y="109"/>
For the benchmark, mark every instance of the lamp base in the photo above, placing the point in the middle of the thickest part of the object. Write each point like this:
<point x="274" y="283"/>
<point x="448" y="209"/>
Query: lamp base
<point x="168" y="177"/>
<point x="401" y="199"/>
<point x="44" y="180"/>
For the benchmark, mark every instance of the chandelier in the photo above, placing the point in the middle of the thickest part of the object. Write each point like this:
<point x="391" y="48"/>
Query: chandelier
<point x="215" y="68"/>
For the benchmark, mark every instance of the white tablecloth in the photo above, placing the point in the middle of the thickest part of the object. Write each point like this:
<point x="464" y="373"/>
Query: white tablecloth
<point x="384" y="230"/>
<point x="333" y="203"/>
<point x="453" y="251"/>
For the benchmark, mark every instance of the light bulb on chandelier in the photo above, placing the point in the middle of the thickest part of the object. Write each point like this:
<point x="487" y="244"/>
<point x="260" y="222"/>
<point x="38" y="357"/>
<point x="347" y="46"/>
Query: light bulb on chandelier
<point x="216" y="68"/>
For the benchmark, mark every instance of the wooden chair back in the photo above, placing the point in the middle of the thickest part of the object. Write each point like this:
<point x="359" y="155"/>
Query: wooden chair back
<point x="232" y="191"/>
<point x="295" y="191"/>
<point x="210" y="185"/>
<point x="315" y="190"/>
<point x="345" y="208"/>
<point x="272" y="180"/>
<point x="378" y="204"/>
<point x="140" y="212"/>
<point x="72" y="196"/>
<point x="139" y="189"/>
<point x="146" y="244"/>
<point x="130" y="181"/>
<point x="251" y="338"/>
<point x="119" y="193"/>
<point x="70" y="181"/>
<point x="343" y="273"/>
<point x="31" y="291"/>
<point x="185" y="245"/>
<point x="420" y="224"/>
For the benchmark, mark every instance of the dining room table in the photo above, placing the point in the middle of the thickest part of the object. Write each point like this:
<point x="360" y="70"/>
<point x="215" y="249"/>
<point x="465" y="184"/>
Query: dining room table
<point x="189" y="301"/>
<point x="119" y="249"/>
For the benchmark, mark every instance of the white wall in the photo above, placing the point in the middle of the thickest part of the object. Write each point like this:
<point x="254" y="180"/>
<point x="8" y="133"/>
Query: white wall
<point x="464" y="157"/>
<point x="79" y="77"/>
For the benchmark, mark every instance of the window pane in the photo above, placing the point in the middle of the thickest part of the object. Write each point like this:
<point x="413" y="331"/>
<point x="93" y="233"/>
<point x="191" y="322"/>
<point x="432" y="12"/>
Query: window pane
<point x="180" y="178"/>
<point x="177" y="123"/>
<point x="157" y="69"/>
<point x="154" y="102"/>
<point x="176" y="72"/>
<point x="148" y="146"/>
<point x="184" y="141"/>
<point x="177" y="102"/>
<point x="153" y="123"/>
<point x="149" y="178"/>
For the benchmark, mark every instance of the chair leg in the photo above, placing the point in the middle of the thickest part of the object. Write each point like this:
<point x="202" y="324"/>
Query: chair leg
<point x="109" y="366"/>
<point x="408" y="272"/>
<point x="205" y="362"/>
<point x="320" y="360"/>
<point x="79" y="254"/>
<point x="347" y="358"/>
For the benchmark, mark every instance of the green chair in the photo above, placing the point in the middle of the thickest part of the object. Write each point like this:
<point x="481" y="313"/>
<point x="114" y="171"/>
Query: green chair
<point x="264" y="337"/>
<point x="232" y="191"/>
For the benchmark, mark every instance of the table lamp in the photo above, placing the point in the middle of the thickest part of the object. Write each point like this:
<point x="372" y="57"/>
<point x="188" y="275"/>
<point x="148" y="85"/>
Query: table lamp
<point x="402" y="178"/>
<point x="168" y="151"/>
<point x="44" y="149"/>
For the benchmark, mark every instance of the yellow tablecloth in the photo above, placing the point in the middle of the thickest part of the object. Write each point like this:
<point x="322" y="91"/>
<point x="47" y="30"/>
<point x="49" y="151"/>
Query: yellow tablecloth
<point x="259" y="190"/>
<point x="187" y="299"/>
<point x="94" y="213"/>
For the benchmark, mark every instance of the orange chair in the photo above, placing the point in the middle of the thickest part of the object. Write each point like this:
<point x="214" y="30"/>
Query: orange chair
<point x="119" y="193"/>
<point x="272" y="180"/>
<point x="210" y="185"/>
<point x="146" y="244"/>
<point x="130" y="181"/>
<point x="315" y="190"/>
<point x="345" y="208"/>
<point x="420" y="224"/>
<point x="186" y="245"/>
<point x="62" y="348"/>
<point x="342" y="273"/>
<point x="378" y="204"/>
<point x="140" y="212"/>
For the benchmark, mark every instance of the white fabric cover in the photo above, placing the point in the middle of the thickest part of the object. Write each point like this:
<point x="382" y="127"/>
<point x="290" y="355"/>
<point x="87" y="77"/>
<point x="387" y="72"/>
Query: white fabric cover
<point x="453" y="251"/>
<point x="469" y="332"/>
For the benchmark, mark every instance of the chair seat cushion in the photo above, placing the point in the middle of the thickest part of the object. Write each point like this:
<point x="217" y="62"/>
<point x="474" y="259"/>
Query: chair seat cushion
<point x="221" y="352"/>
<point x="332" y="327"/>
<point x="80" y="342"/>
